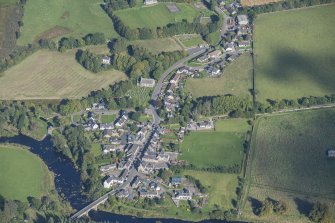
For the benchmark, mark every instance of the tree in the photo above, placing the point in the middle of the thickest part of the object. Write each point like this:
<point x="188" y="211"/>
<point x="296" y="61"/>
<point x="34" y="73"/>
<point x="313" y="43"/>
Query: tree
<point x="320" y="213"/>
<point x="266" y="208"/>
<point x="213" y="3"/>
<point x="279" y="207"/>
<point x="165" y="174"/>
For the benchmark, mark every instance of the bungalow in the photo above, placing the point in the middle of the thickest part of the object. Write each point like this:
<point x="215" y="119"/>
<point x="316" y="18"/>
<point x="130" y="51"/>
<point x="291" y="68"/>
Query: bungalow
<point x="146" y="82"/>
<point x="106" y="60"/>
<point x="150" y="2"/>
<point x="242" y="20"/>
<point x="215" y="54"/>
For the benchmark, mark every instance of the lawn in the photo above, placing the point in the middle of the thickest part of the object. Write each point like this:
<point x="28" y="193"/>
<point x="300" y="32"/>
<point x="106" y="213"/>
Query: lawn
<point x="192" y="42"/>
<point x="52" y="75"/>
<point x="108" y="118"/>
<point x="51" y="19"/>
<point x="295" y="59"/>
<point x="257" y="2"/>
<point x="22" y="174"/>
<point x="236" y="80"/>
<point x="158" y="45"/>
<point x="221" y="147"/>
<point x="140" y="95"/>
<point x="157" y="15"/>
<point x="221" y="187"/>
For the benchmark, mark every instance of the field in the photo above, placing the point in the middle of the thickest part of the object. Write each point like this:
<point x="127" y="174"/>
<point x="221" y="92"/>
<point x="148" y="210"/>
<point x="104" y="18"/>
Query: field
<point x="191" y="41"/>
<point x="108" y="118"/>
<point x="53" y="19"/>
<point x="52" y="75"/>
<point x="140" y="95"/>
<point x="22" y="174"/>
<point x="257" y="2"/>
<point x="293" y="60"/>
<point x="289" y="160"/>
<point x="236" y="80"/>
<point x="224" y="146"/>
<point x="221" y="187"/>
<point x="158" y="45"/>
<point x="157" y="15"/>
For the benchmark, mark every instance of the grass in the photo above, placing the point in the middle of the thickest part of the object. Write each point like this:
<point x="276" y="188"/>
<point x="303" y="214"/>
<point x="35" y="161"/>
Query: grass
<point x="293" y="60"/>
<point x="140" y="95"/>
<point x="158" y="45"/>
<point x="78" y="17"/>
<point x="215" y="37"/>
<point x="7" y="2"/>
<point x="108" y="118"/>
<point x="236" y="80"/>
<point x="257" y="2"/>
<point x="192" y="42"/>
<point x="221" y="188"/>
<point x="52" y="75"/>
<point x="22" y="174"/>
<point x="290" y="153"/>
<point x="157" y="15"/>
<point x="38" y="130"/>
<point x="96" y="149"/>
<point x="221" y="147"/>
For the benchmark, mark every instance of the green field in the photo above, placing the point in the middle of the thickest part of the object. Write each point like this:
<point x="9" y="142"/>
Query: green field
<point x="52" y="75"/>
<point x="224" y="146"/>
<point x="295" y="59"/>
<point x="290" y="151"/>
<point x="157" y="15"/>
<point x="221" y="188"/>
<point x="51" y="19"/>
<point x="192" y="42"/>
<point x="140" y="95"/>
<point x="108" y="118"/>
<point x="236" y="80"/>
<point x="22" y="174"/>
<point x="7" y="2"/>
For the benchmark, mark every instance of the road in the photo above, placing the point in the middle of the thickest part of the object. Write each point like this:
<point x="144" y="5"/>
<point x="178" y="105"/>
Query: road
<point x="158" y="87"/>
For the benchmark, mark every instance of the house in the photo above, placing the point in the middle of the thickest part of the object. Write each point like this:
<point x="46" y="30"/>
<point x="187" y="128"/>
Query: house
<point x="146" y="82"/>
<point x="215" y="54"/>
<point x="203" y="58"/>
<point x="122" y="194"/>
<point x="112" y="180"/>
<point x="150" y="2"/>
<point x="205" y="125"/>
<point x="214" y="71"/>
<point x="115" y="141"/>
<point x="154" y="186"/>
<point x="148" y="193"/>
<point x="183" y="194"/>
<point x="121" y="121"/>
<point x="243" y="43"/>
<point x="331" y="153"/>
<point x="175" y="181"/>
<point x="175" y="78"/>
<point x="106" y="126"/>
<point x="108" y="167"/>
<point x="107" y="133"/>
<point x="230" y="22"/>
<point x="229" y="47"/>
<point x="136" y="182"/>
<point x="106" y="60"/>
<point x="163" y="157"/>
<point x="232" y="57"/>
<point x="242" y="20"/>
<point x="150" y="158"/>
<point x="184" y="70"/>
<point x="108" y="148"/>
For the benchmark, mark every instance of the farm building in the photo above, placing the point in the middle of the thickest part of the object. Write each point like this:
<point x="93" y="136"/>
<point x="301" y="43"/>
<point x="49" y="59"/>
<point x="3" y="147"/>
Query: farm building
<point x="150" y="2"/>
<point x="242" y="20"/>
<point x="106" y="60"/>
<point x="146" y="82"/>
<point x="331" y="153"/>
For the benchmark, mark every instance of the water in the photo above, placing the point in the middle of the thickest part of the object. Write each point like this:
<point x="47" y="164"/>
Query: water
<point x="67" y="181"/>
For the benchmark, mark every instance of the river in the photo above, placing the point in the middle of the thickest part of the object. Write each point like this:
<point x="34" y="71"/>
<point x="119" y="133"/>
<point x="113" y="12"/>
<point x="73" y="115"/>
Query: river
<point x="67" y="181"/>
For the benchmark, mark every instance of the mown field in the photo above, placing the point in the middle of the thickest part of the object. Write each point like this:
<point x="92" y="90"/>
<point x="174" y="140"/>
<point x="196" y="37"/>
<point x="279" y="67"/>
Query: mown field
<point x="22" y="174"/>
<point x="52" y="19"/>
<point x="157" y="15"/>
<point x="236" y="80"/>
<point x="291" y="152"/>
<point x="52" y="75"/>
<point x="221" y="188"/>
<point x="224" y="146"/>
<point x="191" y="41"/>
<point x="158" y="45"/>
<point x="257" y="2"/>
<point x="289" y="163"/>
<point x="295" y="59"/>
<point x="140" y="95"/>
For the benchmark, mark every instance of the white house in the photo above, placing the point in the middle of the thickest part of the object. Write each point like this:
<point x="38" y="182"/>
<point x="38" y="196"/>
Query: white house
<point x="150" y="2"/>
<point x="106" y="60"/>
<point x="112" y="180"/>
<point x="242" y="20"/>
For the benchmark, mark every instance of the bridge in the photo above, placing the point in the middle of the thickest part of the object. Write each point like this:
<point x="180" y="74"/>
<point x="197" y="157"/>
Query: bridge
<point x="94" y="205"/>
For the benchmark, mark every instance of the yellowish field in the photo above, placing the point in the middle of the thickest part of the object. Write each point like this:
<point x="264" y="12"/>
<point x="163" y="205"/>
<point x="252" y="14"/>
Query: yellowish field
<point x="52" y="75"/>
<point x="159" y="45"/>
<point x="257" y="2"/>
